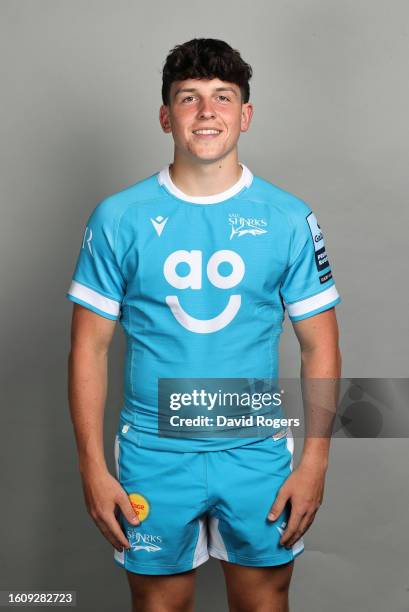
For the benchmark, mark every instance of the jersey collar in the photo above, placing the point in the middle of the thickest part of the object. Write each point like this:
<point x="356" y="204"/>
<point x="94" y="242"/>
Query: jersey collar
<point x="245" y="180"/>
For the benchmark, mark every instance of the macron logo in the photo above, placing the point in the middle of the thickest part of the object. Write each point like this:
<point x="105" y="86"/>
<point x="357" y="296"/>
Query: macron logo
<point x="159" y="223"/>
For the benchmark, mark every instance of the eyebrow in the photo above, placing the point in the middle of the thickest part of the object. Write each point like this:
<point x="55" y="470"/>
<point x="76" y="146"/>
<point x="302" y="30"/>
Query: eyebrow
<point x="193" y="90"/>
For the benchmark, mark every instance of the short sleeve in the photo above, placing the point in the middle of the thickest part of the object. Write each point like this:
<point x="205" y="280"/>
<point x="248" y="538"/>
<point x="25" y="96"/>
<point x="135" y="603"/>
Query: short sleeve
<point x="308" y="287"/>
<point x="97" y="282"/>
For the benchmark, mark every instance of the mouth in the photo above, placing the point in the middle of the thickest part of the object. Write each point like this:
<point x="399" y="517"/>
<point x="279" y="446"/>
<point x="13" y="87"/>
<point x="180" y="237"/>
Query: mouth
<point x="207" y="133"/>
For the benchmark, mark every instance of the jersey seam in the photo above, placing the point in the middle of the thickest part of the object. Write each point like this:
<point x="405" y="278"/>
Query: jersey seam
<point x="116" y="233"/>
<point x="116" y="230"/>
<point x="293" y="236"/>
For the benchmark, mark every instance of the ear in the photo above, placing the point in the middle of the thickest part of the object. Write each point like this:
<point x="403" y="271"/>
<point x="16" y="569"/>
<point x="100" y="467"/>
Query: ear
<point x="164" y="118"/>
<point x="247" y="112"/>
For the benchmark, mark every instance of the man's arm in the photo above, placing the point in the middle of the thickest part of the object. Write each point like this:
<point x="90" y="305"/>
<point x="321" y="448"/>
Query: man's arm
<point x="91" y="335"/>
<point x="320" y="359"/>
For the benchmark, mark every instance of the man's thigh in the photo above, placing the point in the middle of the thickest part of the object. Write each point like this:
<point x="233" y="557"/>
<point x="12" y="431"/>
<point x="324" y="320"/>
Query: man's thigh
<point x="171" y="593"/>
<point x="257" y="589"/>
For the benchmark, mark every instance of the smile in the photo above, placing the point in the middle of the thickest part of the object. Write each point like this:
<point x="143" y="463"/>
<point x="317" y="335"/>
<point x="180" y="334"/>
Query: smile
<point x="204" y="326"/>
<point x="207" y="133"/>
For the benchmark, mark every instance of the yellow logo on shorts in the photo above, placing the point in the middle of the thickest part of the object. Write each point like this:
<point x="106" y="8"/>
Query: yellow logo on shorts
<point x="140" y="505"/>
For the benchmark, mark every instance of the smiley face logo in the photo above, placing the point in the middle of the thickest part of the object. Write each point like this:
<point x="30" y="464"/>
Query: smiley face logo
<point x="193" y="280"/>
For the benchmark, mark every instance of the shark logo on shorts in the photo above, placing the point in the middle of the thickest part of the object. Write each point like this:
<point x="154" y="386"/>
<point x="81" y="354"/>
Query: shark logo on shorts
<point x="143" y="541"/>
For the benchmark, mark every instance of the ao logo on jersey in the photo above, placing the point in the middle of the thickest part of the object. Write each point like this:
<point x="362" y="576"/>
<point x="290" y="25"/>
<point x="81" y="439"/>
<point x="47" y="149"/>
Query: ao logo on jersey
<point x="193" y="280"/>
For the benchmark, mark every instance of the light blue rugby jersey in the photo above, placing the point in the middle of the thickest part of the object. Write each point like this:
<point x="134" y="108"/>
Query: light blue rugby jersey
<point x="200" y="286"/>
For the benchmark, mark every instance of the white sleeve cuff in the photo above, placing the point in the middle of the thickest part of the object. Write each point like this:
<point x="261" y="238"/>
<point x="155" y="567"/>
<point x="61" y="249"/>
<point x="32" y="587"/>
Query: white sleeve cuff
<point x="93" y="298"/>
<point x="315" y="302"/>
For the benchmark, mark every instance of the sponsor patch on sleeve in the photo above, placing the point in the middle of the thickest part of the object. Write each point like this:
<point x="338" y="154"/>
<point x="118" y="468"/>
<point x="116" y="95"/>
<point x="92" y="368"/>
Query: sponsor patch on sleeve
<point x="321" y="257"/>
<point x="325" y="277"/>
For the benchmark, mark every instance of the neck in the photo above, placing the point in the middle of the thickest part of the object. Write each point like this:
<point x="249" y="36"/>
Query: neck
<point x="199" y="178"/>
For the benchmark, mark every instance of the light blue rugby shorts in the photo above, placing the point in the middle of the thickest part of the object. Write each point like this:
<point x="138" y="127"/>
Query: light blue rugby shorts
<point x="200" y="504"/>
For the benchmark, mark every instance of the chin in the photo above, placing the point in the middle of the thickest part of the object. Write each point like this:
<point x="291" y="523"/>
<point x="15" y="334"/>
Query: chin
<point x="208" y="155"/>
<point x="210" y="159"/>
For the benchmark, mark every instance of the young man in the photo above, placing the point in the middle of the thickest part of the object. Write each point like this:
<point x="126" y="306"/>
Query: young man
<point x="198" y="262"/>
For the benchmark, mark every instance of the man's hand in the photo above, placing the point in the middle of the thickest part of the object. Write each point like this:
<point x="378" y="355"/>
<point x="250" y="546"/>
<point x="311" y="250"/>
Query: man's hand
<point x="102" y="493"/>
<point x="305" y="489"/>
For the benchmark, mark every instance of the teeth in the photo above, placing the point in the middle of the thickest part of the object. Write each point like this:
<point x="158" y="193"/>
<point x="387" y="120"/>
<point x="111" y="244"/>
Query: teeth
<point x="206" y="132"/>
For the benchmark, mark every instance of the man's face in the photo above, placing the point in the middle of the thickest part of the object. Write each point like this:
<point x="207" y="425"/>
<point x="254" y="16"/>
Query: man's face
<point x="205" y="104"/>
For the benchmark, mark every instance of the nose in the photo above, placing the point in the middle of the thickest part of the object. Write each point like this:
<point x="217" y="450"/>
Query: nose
<point x="206" y="109"/>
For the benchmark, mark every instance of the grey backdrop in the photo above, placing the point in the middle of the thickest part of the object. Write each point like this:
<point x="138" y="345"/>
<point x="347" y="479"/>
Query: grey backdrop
<point x="79" y="120"/>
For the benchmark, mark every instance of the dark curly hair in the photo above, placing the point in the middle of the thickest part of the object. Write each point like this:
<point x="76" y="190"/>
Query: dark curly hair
<point x="206" y="58"/>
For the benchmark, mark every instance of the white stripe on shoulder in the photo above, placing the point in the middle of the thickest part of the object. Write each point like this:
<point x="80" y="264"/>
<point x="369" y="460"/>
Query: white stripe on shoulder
<point x="312" y="303"/>
<point x="94" y="298"/>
